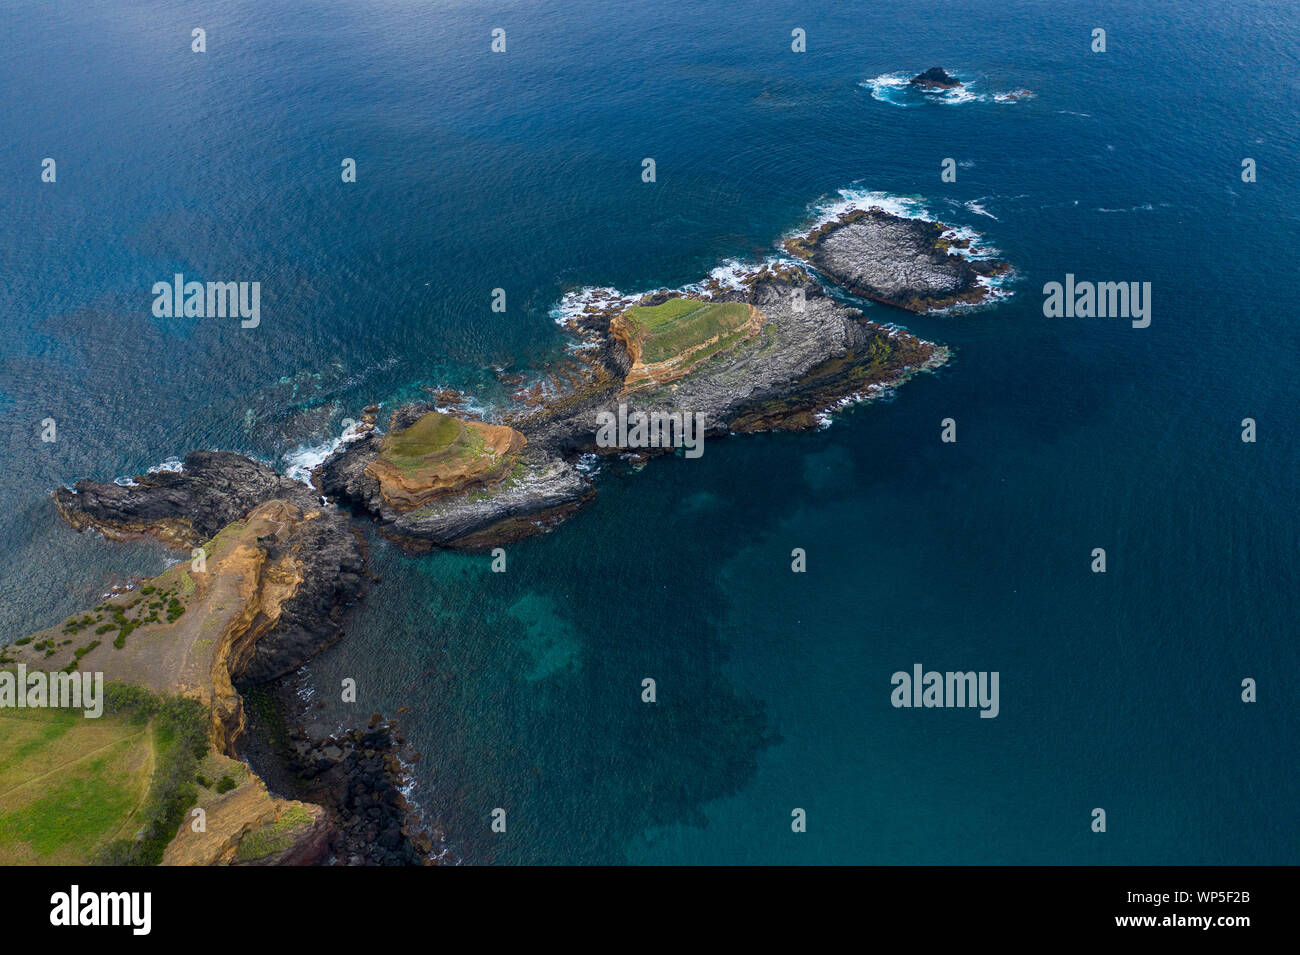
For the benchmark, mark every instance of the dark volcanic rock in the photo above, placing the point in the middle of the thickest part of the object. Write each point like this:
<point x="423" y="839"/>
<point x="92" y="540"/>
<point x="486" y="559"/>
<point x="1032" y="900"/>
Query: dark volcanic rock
<point x="358" y="775"/>
<point x="342" y="476"/>
<point x="898" y="261"/>
<point x="334" y="576"/>
<point x="936" y="78"/>
<point x="183" y="508"/>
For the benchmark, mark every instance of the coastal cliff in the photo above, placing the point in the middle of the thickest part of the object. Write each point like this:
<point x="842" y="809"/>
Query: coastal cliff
<point x="256" y="600"/>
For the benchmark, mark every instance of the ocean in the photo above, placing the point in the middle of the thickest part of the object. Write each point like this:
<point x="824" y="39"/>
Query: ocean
<point x="522" y="171"/>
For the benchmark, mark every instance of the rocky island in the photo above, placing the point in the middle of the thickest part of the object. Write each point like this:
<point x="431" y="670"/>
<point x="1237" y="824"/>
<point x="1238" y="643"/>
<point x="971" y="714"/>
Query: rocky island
<point x="273" y="564"/>
<point x="935" y="78"/>
<point x="773" y="352"/>
<point x="913" y="264"/>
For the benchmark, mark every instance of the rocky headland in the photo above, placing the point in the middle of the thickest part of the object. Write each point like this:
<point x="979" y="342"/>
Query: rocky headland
<point x="771" y="351"/>
<point x="270" y="565"/>
<point x="268" y="569"/>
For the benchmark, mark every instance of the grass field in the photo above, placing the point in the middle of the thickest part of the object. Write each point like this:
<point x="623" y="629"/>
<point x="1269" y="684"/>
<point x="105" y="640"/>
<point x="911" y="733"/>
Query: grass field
<point x="434" y="437"/>
<point x="679" y="324"/>
<point x="432" y="432"/>
<point x="69" y="785"/>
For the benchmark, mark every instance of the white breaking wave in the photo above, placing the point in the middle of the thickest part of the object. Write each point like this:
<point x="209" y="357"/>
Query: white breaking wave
<point x="897" y="89"/>
<point x="853" y="198"/>
<point x="301" y="461"/>
<point x="172" y="465"/>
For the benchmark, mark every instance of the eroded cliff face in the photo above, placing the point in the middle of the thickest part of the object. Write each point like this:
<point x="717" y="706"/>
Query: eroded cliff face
<point x="260" y="597"/>
<point x="249" y="826"/>
<point x="263" y="575"/>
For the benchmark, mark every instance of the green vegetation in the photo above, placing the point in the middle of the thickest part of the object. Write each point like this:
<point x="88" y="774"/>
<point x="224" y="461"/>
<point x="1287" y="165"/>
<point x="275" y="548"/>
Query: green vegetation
<point x="225" y="784"/>
<point x="432" y="433"/>
<point x="434" y="440"/>
<point x="680" y="324"/>
<point x="127" y="617"/>
<point x="70" y="785"/>
<point x="174" y="610"/>
<point x="180" y="726"/>
<point x="276" y="837"/>
<point x="76" y="626"/>
<point x="434" y="437"/>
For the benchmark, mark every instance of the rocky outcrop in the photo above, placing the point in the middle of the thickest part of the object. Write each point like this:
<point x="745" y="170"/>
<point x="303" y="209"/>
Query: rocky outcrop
<point x="359" y="775"/>
<point x="907" y="263"/>
<point x="540" y="488"/>
<point x="935" y="78"/>
<point x="812" y="352"/>
<point x="770" y="350"/>
<point x="681" y="361"/>
<point x="786" y="352"/>
<point x="440" y="455"/>
<point x="183" y="508"/>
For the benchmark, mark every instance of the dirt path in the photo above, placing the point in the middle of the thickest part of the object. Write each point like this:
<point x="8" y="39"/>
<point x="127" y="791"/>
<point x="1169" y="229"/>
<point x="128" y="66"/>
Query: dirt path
<point x="151" y="759"/>
<point x="73" y="762"/>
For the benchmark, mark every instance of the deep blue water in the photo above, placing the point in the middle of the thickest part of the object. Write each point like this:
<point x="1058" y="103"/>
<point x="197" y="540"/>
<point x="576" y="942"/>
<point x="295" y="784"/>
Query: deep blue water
<point x="522" y="171"/>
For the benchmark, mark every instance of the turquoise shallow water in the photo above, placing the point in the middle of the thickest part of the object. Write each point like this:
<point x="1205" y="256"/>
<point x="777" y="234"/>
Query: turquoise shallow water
<point x="522" y="171"/>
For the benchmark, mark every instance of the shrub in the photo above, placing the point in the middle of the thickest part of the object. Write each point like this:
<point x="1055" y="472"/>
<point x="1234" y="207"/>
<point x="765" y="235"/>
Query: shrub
<point x="183" y="734"/>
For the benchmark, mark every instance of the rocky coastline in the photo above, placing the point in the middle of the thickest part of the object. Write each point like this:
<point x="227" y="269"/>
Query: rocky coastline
<point x="769" y="348"/>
